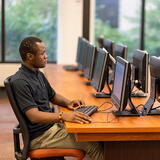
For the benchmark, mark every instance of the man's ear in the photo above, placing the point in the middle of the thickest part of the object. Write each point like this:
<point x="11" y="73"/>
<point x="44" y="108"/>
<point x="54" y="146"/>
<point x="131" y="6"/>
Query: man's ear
<point x="29" y="56"/>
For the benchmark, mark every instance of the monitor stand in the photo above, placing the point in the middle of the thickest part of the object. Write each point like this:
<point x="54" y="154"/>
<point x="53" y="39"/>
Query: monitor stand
<point x="81" y="74"/>
<point x="132" y="112"/>
<point x="124" y="113"/>
<point x="154" y="111"/>
<point x="88" y="83"/>
<point x="70" y="68"/>
<point x="111" y="76"/>
<point x="138" y="94"/>
<point x="102" y="95"/>
<point x="148" y="107"/>
<point x="148" y="110"/>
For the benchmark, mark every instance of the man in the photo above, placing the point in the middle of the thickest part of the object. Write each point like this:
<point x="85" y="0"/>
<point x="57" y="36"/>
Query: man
<point x="33" y="94"/>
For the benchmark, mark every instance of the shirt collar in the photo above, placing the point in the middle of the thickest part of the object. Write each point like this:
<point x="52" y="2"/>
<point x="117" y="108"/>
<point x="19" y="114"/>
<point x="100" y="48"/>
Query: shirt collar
<point x="23" y="67"/>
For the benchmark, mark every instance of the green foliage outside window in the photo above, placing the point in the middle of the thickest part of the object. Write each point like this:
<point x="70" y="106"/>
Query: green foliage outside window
<point x="119" y="37"/>
<point x="31" y="18"/>
<point x="152" y="27"/>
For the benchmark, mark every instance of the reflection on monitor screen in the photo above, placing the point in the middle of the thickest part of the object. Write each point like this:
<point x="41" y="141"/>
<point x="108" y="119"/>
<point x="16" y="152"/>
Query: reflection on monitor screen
<point x="119" y="74"/>
<point x="121" y="89"/>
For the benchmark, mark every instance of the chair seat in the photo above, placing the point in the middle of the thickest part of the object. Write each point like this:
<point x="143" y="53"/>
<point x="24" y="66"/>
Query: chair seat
<point x="46" y="153"/>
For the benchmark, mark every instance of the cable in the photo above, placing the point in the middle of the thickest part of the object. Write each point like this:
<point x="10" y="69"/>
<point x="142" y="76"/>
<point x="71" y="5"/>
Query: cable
<point x="155" y="108"/>
<point x="107" y="108"/>
<point x="140" y="105"/>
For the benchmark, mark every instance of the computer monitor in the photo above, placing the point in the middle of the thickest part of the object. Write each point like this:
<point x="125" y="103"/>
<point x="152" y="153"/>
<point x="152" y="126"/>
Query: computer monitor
<point x="154" y="88"/>
<point x="100" y="73"/>
<point x="122" y="88"/>
<point x="82" y="54"/>
<point x="79" y="48"/>
<point x="109" y="46"/>
<point x="140" y="72"/>
<point x="90" y="61"/>
<point x="119" y="50"/>
<point x="100" y="41"/>
<point x="78" y="57"/>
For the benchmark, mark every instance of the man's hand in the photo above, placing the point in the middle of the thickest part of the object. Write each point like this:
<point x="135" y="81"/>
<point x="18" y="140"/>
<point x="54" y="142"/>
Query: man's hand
<point x="75" y="104"/>
<point x="76" y="117"/>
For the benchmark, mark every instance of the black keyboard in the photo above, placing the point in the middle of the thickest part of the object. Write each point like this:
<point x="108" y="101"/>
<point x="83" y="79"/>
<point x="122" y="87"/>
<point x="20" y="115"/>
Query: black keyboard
<point x="89" y="110"/>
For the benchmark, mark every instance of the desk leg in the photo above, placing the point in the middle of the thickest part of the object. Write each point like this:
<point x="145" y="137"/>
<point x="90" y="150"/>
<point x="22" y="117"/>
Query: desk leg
<point x="140" y="150"/>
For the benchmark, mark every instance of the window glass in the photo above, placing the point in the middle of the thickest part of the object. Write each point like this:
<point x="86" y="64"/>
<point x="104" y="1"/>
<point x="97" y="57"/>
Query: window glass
<point x="152" y="27"/>
<point x="30" y="18"/>
<point x="119" y="20"/>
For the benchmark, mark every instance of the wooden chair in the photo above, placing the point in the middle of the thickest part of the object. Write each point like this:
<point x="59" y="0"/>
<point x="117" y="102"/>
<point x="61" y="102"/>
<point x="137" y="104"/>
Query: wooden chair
<point x="21" y="134"/>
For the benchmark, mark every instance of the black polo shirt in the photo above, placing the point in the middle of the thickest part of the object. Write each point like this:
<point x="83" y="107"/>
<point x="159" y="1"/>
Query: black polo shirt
<point x="32" y="90"/>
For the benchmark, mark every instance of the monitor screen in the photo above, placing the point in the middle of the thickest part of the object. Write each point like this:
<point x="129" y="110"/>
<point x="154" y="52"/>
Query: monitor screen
<point x="140" y="73"/>
<point x="90" y="61"/>
<point x="100" y="70"/>
<point x="120" y="92"/>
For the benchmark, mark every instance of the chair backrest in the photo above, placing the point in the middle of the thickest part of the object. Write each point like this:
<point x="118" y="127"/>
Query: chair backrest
<point x="20" y="117"/>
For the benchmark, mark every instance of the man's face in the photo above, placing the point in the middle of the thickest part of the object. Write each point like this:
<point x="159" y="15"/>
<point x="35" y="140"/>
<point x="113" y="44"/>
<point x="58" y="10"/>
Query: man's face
<point x="40" y="58"/>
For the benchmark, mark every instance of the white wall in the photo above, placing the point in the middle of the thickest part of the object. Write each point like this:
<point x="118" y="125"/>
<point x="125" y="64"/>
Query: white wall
<point x="69" y="28"/>
<point x="6" y="70"/>
<point x="92" y="18"/>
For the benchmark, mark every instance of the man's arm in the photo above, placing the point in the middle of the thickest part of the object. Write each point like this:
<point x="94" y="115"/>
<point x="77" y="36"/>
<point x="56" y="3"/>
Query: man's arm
<point x="62" y="101"/>
<point x="36" y="116"/>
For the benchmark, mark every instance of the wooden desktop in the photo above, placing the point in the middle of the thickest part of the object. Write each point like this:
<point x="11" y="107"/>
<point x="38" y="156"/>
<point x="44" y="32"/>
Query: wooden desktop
<point x="125" y="138"/>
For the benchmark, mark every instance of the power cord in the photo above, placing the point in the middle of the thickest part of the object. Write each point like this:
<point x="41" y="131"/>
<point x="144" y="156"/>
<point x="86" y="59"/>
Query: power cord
<point x="107" y="108"/>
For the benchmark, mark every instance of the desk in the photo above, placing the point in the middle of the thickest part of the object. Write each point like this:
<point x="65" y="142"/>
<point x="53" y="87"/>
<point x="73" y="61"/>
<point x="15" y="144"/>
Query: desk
<point x="126" y="138"/>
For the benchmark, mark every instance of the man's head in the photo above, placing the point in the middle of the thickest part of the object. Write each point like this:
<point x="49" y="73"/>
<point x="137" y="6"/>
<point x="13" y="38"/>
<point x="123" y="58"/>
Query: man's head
<point x="32" y="51"/>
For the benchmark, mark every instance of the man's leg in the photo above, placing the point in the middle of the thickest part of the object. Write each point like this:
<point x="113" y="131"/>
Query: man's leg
<point x="57" y="137"/>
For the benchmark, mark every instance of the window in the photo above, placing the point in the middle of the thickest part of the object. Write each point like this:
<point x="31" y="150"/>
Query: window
<point x="30" y="18"/>
<point x="152" y="25"/>
<point x="119" y="20"/>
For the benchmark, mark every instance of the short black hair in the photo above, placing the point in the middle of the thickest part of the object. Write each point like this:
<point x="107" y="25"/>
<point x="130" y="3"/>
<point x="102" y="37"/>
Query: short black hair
<point x="28" y="45"/>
